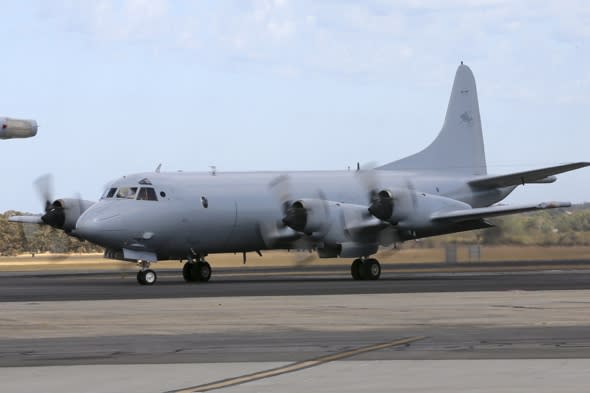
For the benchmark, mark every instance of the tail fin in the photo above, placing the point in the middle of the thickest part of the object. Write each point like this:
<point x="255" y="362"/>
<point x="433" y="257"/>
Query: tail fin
<point x="459" y="147"/>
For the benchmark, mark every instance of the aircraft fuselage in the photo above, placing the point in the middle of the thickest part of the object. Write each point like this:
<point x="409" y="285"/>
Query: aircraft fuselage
<point x="223" y="212"/>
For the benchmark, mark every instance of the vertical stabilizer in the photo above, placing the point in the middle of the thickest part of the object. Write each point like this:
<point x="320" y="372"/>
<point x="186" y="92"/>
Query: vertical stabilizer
<point x="459" y="147"/>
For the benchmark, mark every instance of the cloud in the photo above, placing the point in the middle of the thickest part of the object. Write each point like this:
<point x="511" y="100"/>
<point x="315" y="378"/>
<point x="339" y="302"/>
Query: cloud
<point x="116" y="21"/>
<point x="371" y="39"/>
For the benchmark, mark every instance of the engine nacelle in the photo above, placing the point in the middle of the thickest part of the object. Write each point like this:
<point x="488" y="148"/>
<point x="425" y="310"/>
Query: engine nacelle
<point x="64" y="213"/>
<point x="356" y="250"/>
<point x="16" y="128"/>
<point x="425" y="205"/>
<point x="307" y="215"/>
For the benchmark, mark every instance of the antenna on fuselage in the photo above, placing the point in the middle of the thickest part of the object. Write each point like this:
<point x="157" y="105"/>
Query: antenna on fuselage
<point x="158" y="168"/>
<point x="213" y="170"/>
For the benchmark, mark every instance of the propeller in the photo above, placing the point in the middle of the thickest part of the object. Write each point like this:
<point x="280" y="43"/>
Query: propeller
<point x="60" y="214"/>
<point x="412" y="191"/>
<point x="381" y="202"/>
<point x="54" y="214"/>
<point x="53" y="229"/>
<point x="291" y="228"/>
<point x="388" y="206"/>
<point x="44" y="185"/>
<point x="296" y="213"/>
<point x="55" y="210"/>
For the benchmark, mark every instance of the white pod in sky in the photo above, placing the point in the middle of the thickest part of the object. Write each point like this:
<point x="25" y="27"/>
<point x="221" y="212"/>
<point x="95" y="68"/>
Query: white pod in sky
<point x="17" y="128"/>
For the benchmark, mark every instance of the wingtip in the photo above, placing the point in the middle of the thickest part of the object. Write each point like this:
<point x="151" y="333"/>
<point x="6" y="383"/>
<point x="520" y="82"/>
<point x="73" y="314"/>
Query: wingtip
<point x="554" y="205"/>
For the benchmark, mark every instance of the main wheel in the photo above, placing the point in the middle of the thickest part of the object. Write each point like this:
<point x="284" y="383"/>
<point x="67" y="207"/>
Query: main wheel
<point x="187" y="272"/>
<point x="199" y="271"/>
<point x="140" y="278"/>
<point x="204" y="271"/>
<point x="371" y="269"/>
<point x="355" y="269"/>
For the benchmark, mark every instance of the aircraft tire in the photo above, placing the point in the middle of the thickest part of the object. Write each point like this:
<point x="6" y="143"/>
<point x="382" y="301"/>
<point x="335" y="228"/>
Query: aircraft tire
<point x="199" y="271"/>
<point x="187" y="272"/>
<point x="194" y="271"/>
<point x="371" y="269"/>
<point x="149" y="277"/>
<point x="204" y="271"/>
<point x="355" y="269"/>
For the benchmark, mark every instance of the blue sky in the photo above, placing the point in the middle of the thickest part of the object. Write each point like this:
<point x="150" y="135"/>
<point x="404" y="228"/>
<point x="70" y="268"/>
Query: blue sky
<point x="120" y="86"/>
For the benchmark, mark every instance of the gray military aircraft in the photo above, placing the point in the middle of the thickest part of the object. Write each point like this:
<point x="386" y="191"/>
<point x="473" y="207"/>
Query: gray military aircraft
<point x="443" y="189"/>
<point x="17" y="128"/>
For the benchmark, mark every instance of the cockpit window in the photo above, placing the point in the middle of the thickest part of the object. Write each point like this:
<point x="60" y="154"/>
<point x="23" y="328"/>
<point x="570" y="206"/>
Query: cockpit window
<point x="108" y="193"/>
<point x="146" y="194"/>
<point x="127" y="192"/>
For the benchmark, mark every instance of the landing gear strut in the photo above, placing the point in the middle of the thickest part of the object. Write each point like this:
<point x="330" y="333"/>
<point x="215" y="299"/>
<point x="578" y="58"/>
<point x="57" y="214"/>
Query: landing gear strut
<point x="365" y="269"/>
<point x="146" y="276"/>
<point x="196" y="270"/>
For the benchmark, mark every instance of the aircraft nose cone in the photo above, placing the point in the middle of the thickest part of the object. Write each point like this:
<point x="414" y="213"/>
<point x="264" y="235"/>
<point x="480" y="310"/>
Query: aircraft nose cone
<point x="97" y="227"/>
<point x="85" y="227"/>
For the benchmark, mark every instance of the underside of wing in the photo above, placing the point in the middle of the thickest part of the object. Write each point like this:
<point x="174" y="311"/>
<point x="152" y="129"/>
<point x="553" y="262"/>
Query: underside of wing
<point x="543" y="175"/>
<point x="493" y="211"/>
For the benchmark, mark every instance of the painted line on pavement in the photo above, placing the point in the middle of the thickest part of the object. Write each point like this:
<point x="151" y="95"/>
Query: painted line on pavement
<point x="295" y="366"/>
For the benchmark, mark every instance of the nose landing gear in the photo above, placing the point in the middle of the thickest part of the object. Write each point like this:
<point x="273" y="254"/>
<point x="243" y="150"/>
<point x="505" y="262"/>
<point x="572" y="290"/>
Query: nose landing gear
<point x="146" y="276"/>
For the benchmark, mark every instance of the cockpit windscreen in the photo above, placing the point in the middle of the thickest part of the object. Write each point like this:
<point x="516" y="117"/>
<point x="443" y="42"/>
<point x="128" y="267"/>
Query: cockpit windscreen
<point x="141" y="194"/>
<point x="127" y="192"/>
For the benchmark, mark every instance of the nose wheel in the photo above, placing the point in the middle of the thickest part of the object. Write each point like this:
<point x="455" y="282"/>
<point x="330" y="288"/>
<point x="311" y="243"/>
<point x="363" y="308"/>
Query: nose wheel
<point x="147" y="277"/>
<point x="365" y="269"/>
<point x="199" y="271"/>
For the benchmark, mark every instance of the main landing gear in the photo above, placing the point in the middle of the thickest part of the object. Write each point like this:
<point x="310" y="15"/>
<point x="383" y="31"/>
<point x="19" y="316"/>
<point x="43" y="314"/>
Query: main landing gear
<point x="196" y="270"/>
<point x="146" y="276"/>
<point x="365" y="269"/>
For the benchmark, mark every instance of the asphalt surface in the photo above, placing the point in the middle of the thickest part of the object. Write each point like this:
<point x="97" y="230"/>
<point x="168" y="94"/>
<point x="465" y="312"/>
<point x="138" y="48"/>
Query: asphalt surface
<point x="249" y="281"/>
<point x="248" y="319"/>
<point x="450" y="342"/>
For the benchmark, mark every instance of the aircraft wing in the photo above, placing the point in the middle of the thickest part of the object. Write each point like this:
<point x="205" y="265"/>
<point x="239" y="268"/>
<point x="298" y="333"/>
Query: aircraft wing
<point x="543" y="175"/>
<point x="26" y="219"/>
<point x="493" y="211"/>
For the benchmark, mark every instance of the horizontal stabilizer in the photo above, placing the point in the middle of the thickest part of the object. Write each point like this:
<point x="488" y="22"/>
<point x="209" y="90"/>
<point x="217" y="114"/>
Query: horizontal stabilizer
<point x="543" y="175"/>
<point x="26" y="219"/>
<point x="493" y="211"/>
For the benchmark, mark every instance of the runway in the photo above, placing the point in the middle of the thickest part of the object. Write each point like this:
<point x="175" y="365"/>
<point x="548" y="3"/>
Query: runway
<point x="308" y="281"/>
<point x="298" y="328"/>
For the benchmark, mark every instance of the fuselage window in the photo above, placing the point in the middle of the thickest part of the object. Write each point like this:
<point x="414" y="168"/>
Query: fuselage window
<point x="146" y="194"/>
<point x="127" y="192"/>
